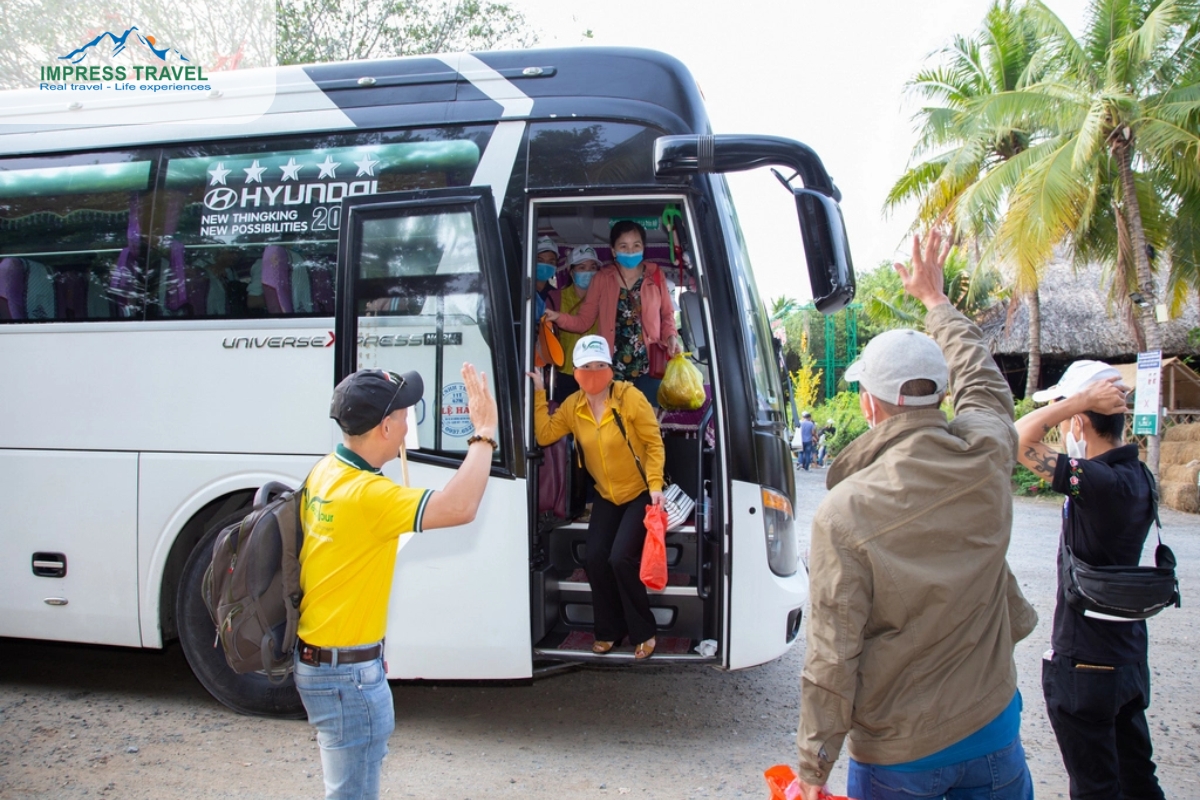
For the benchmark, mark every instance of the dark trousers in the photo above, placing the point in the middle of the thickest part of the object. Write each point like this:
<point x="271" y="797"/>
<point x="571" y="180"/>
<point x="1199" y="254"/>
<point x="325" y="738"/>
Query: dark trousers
<point x="1099" y="719"/>
<point x="614" y="562"/>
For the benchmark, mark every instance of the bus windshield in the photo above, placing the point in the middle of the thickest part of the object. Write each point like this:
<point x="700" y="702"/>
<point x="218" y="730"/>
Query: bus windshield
<point x="768" y="389"/>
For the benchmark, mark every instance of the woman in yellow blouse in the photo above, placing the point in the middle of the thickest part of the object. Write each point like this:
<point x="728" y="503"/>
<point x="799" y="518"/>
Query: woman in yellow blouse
<point x="596" y="415"/>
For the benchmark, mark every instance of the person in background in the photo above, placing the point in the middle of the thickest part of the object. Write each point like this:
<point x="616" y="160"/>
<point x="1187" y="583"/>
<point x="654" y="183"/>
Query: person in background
<point x="824" y="438"/>
<point x="583" y="267"/>
<point x="1096" y="679"/>
<point x="352" y="517"/>
<point x="807" y="430"/>
<point x="547" y="266"/>
<point x="915" y="613"/>
<point x="631" y="306"/>
<point x="797" y="446"/>
<point x="611" y="422"/>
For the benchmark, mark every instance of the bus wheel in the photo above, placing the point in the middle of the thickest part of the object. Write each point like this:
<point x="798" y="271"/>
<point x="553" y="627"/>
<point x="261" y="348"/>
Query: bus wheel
<point x="247" y="694"/>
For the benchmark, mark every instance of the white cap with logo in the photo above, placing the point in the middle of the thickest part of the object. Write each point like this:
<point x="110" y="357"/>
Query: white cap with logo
<point x="583" y="253"/>
<point x="895" y="357"/>
<point x="590" y="348"/>
<point x="1078" y="377"/>
<point x="546" y="245"/>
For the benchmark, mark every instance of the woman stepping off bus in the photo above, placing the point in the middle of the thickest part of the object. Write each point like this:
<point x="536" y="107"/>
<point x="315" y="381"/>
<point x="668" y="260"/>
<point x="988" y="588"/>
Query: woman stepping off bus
<point x="611" y="422"/>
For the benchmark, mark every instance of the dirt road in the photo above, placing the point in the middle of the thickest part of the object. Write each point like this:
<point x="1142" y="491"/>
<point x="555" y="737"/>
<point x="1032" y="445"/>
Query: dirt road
<point x="105" y="722"/>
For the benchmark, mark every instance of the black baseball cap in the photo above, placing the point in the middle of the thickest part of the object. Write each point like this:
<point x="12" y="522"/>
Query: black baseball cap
<point x="364" y="398"/>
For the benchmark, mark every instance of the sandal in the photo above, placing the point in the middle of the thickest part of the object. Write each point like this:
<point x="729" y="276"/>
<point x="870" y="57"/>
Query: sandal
<point x="645" y="649"/>
<point x="600" y="648"/>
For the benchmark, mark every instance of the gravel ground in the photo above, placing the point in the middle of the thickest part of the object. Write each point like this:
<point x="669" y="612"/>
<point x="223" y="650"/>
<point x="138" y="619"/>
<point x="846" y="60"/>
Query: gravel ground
<point x="79" y="721"/>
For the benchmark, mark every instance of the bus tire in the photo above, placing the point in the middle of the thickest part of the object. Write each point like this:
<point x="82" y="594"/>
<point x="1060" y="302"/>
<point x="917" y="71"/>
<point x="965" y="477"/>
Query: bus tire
<point x="251" y="693"/>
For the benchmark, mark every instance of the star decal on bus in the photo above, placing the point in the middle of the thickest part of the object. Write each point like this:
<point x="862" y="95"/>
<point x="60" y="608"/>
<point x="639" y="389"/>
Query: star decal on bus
<point x="291" y="170"/>
<point x="328" y="168"/>
<point x="218" y="173"/>
<point x="366" y="166"/>
<point x="254" y="172"/>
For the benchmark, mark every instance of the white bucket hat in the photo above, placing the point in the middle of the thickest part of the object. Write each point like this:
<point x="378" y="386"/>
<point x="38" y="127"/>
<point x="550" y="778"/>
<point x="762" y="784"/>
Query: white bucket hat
<point x="895" y="357"/>
<point x="589" y="349"/>
<point x="1078" y="377"/>
<point x="546" y="245"/>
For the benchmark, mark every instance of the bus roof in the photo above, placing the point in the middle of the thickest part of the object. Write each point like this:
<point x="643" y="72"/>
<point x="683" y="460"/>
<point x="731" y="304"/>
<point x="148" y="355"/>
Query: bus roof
<point x="586" y="82"/>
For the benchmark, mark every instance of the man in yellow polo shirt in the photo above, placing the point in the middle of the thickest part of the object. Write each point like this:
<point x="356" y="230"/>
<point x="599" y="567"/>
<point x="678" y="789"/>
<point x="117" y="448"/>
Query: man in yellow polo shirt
<point x="353" y="518"/>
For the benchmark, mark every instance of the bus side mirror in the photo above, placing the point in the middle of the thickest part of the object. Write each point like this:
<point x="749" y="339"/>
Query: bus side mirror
<point x="827" y="250"/>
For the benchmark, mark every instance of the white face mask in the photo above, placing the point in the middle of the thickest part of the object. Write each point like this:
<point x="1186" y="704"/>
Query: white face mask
<point x="871" y="417"/>
<point x="1076" y="448"/>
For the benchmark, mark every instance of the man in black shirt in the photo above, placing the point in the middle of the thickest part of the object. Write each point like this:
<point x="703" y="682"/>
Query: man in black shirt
<point x="1096" y="680"/>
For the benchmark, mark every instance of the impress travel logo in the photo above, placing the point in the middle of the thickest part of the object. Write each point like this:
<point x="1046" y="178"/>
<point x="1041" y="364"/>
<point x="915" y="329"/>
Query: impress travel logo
<point x="154" y="66"/>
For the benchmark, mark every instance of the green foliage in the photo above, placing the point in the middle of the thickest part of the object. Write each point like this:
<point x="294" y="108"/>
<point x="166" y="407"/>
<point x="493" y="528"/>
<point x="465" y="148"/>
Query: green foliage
<point x="313" y="31"/>
<point x="847" y="418"/>
<point x="889" y="306"/>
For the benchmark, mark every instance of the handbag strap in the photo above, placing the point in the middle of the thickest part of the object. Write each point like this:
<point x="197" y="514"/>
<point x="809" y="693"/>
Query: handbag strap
<point x="1153" y="498"/>
<point x="636" y="460"/>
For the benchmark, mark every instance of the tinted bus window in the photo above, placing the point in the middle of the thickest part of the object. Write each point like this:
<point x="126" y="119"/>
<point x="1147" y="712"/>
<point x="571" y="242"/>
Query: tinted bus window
<point x="71" y="238"/>
<point x="577" y="153"/>
<point x="250" y="232"/>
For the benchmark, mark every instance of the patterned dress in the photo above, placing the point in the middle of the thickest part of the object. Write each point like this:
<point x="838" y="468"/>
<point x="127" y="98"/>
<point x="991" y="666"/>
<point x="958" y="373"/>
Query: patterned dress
<point x="631" y="359"/>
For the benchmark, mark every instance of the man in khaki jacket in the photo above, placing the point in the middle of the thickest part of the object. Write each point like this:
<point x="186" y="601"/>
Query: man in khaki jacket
<point x="914" y="611"/>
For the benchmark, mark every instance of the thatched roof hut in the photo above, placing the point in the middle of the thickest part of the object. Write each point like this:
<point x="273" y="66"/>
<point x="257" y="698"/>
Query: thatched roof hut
<point x="1077" y="322"/>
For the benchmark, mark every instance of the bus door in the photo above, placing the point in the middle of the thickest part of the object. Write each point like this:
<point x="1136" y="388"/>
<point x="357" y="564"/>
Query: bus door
<point x="422" y="286"/>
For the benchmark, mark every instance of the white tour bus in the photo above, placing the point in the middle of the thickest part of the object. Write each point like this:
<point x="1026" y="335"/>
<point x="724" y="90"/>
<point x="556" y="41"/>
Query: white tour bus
<point x="179" y="297"/>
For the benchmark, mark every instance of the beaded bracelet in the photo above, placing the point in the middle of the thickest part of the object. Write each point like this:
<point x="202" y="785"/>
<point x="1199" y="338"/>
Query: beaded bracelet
<point x="488" y="439"/>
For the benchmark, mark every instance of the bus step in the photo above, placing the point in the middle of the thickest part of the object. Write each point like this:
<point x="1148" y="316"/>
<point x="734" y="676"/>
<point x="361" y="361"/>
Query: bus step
<point x="677" y="585"/>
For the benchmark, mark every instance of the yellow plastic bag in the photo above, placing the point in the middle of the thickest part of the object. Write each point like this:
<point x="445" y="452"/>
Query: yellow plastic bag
<point x="682" y="387"/>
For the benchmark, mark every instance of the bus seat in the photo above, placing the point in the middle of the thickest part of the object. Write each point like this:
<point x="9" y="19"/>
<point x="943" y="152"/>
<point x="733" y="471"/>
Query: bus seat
<point x="320" y="278"/>
<point x="277" y="280"/>
<point x="12" y="288"/>
<point x="687" y="423"/>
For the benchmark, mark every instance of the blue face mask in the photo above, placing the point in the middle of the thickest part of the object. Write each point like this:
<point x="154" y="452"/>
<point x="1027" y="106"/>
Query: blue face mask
<point x="629" y="260"/>
<point x="582" y="279"/>
<point x="545" y="271"/>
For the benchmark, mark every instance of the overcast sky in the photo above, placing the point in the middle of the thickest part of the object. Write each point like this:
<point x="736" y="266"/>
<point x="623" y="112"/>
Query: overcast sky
<point x="830" y="74"/>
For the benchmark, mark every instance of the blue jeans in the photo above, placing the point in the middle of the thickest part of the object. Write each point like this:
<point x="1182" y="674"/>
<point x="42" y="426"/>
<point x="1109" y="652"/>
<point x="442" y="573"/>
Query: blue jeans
<point x="350" y="705"/>
<point x="806" y="455"/>
<point x="1002" y="775"/>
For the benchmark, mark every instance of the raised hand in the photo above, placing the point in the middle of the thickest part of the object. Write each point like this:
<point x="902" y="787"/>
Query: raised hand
<point x="1105" y="397"/>
<point x="481" y="406"/>
<point x="539" y="385"/>
<point x="926" y="282"/>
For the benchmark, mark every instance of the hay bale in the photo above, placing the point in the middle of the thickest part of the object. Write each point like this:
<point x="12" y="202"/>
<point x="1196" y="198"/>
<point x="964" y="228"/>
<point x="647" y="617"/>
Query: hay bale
<point x="1180" y="496"/>
<point x="1181" y="473"/>
<point x="1178" y="453"/>
<point x="1183" y="433"/>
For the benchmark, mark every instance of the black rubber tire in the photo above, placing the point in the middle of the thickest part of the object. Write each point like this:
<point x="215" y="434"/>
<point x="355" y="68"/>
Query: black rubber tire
<point x="252" y="693"/>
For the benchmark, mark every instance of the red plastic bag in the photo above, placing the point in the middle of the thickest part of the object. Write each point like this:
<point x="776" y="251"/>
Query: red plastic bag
<point x="654" y="551"/>
<point x="785" y="786"/>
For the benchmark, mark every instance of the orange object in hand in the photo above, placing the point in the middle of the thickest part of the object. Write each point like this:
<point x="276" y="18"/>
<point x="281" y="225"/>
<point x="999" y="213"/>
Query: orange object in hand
<point x="654" y="552"/>
<point x="785" y="785"/>
<point x="549" y="349"/>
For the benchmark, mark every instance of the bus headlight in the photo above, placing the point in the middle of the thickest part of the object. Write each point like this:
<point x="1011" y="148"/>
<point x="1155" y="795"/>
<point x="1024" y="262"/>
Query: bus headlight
<point x="783" y="551"/>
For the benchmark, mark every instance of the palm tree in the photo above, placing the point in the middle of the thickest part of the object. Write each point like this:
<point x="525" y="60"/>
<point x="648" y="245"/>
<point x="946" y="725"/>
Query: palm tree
<point x="954" y="150"/>
<point x="971" y="291"/>
<point x="1116" y="145"/>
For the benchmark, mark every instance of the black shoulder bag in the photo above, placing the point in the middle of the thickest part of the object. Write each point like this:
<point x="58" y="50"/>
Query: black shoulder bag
<point x="1124" y="593"/>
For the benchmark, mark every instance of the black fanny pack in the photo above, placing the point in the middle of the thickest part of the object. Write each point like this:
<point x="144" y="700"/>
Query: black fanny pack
<point x="1121" y="593"/>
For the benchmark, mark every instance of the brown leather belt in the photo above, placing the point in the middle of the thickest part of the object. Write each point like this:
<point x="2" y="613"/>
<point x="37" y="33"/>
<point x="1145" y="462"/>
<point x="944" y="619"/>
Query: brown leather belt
<point x="315" y="656"/>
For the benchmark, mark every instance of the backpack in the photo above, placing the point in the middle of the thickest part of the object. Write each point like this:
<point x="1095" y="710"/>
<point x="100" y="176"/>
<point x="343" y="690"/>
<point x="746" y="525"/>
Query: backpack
<point x="252" y="585"/>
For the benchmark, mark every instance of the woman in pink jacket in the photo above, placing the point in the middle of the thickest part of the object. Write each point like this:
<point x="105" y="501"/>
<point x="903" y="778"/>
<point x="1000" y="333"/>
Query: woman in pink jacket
<point x="631" y="305"/>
